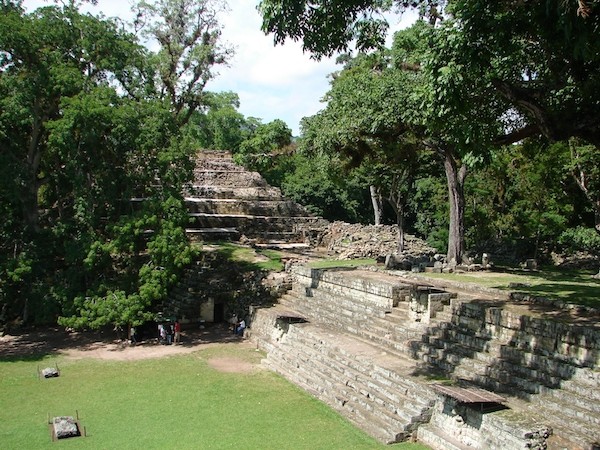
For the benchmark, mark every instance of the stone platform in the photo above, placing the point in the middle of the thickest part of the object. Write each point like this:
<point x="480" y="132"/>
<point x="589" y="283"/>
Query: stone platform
<point x="375" y="345"/>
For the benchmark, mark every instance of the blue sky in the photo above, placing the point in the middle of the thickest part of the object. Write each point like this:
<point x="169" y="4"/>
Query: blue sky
<point x="272" y="82"/>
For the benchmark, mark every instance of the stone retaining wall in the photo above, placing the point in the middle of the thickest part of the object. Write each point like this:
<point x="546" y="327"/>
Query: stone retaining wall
<point x="381" y="294"/>
<point x="547" y="368"/>
<point x="574" y="344"/>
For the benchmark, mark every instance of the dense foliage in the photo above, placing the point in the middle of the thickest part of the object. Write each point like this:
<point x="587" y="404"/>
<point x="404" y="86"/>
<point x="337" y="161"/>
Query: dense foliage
<point x="478" y="129"/>
<point x="467" y="83"/>
<point x="93" y="160"/>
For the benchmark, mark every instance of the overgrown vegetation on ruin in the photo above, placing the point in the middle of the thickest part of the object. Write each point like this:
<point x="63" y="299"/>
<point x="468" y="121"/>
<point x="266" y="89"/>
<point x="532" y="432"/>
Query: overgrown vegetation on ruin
<point x="570" y="286"/>
<point x="254" y="259"/>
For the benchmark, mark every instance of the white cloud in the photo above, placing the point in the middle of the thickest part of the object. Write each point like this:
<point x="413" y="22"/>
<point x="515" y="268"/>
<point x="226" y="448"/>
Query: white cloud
<point x="273" y="82"/>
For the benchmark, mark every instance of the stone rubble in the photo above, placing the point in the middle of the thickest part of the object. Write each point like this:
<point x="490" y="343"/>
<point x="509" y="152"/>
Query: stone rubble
<point x="348" y="241"/>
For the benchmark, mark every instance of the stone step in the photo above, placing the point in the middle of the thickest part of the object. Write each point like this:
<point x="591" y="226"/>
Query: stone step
<point x="338" y="395"/>
<point x="506" y="360"/>
<point x="354" y="284"/>
<point x="247" y="224"/>
<point x="363" y="356"/>
<point x="373" y="388"/>
<point x="388" y="370"/>
<point x="213" y="233"/>
<point x="493" y="376"/>
<point x="397" y="341"/>
<point x="368" y="395"/>
<point x="337" y="310"/>
<point x="579" y="420"/>
<point x="271" y="207"/>
<point x="233" y="176"/>
<point x="389" y="335"/>
<point x="583" y="382"/>
<point x="329" y="299"/>
<point x="438" y="439"/>
<point x="399" y="313"/>
<point x="256" y="193"/>
<point x="258" y="218"/>
<point x="569" y="435"/>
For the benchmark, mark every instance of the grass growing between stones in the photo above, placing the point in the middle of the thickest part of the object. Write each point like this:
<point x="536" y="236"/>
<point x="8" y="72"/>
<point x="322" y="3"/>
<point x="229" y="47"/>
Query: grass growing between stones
<point x="263" y="259"/>
<point x="175" y="402"/>
<point x="332" y="263"/>
<point x="572" y="286"/>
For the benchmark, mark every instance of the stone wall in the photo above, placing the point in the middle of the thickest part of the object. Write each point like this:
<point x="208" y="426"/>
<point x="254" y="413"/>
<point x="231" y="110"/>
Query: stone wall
<point x="381" y="295"/>
<point x="546" y="368"/>
<point x="571" y="343"/>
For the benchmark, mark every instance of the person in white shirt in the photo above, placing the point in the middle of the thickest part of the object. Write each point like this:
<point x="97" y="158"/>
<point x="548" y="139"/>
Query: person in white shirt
<point x="240" y="328"/>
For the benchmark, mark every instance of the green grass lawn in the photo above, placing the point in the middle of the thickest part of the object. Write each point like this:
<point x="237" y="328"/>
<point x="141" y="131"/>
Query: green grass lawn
<point x="178" y="402"/>
<point x="261" y="259"/>
<point x="573" y="286"/>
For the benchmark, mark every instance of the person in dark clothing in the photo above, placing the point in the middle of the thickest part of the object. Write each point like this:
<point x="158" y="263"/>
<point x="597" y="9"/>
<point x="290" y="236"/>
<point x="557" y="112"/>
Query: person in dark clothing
<point x="177" y="338"/>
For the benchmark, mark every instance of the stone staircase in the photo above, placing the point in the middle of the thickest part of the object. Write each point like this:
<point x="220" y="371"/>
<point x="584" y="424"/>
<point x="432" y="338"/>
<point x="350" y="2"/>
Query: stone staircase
<point x="550" y="368"/>
<point x="228" y="202"/>
<point x="367" y="387"/>
<point x="336" y="330"/>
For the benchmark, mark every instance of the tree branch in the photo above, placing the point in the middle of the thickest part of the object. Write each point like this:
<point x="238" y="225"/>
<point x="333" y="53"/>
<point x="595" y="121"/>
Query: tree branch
<point x="523" y="98"/>
<point x="517" y="135"/>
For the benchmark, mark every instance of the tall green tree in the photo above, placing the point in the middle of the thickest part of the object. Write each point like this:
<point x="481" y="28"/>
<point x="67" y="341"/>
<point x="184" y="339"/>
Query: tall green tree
<point x="523" y="200"/>
<point x="257" y="149"/>
<point x="362" y="122"/>
<point x="48" y="59"/>
<point x="222" y="126"/>
<point x="95" y="164"/>
<point x="536" y="73"/>
<point x="319" y="182"/>
<point x="542" y="57"/>
<point x="584" y="166"/>
<point x="384" y="107"/>
<point x="188" y="33"/>
<point x="47" y="56"/>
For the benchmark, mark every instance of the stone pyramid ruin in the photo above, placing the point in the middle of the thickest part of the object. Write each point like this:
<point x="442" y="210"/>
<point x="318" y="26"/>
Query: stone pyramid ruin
<point x="228" y="202"/>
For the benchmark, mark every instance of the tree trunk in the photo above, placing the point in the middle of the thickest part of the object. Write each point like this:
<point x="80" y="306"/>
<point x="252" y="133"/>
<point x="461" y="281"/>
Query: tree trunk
<point x="377" y="203"/>
<point x="29" y="197"/>
<point x="581" y="177"/>
<point x="455" y="176"/>
<point x="400" y="222"/>
<point x="30" y="205"/>
<point x="401" y="184"/>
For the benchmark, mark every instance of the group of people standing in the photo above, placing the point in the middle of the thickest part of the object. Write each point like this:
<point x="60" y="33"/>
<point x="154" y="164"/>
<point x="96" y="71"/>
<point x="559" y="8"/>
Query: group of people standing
<point x="237" y="325"/>
<point x="169" y="333"/>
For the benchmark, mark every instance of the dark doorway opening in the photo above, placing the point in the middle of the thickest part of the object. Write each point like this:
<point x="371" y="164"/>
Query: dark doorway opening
<point x="219" y="312"/>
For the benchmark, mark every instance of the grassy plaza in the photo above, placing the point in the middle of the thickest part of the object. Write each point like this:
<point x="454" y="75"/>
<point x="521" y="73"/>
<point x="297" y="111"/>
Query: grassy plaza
<point x="169" y="402"/>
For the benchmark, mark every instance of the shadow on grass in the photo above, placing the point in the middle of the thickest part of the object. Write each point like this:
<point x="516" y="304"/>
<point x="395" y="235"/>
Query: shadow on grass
<point x="571" y="286"/>
<point x="38" y="344"/>
<point x="248" y="259"/>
